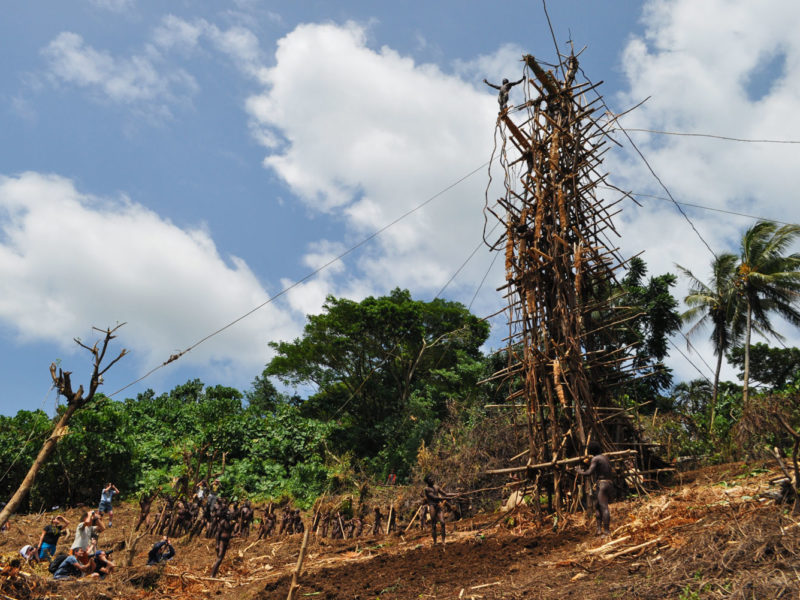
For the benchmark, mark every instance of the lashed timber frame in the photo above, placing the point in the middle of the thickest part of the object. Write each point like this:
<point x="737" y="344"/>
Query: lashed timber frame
<point x="564" y="359"/>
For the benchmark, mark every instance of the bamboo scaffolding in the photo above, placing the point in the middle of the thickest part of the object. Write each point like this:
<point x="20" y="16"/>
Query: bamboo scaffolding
<point x="564" y="316"/>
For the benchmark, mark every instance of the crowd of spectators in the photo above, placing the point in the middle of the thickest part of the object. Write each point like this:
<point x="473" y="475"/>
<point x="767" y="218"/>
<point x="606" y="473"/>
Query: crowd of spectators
<point x="85" y="557"/>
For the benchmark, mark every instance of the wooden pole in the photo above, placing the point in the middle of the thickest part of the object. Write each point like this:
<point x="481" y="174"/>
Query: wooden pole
<point x="389" y="519"/>
<point x="341" y="525"/>
<point x="294" y="586"/>
<point x="566" y="461"/>
<point x="414" y="518"/>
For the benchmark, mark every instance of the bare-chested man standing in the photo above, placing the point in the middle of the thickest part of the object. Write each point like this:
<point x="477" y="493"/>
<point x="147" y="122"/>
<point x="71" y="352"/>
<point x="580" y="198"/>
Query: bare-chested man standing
<point x="434" y="496"/>
<point x="600" y="467"/>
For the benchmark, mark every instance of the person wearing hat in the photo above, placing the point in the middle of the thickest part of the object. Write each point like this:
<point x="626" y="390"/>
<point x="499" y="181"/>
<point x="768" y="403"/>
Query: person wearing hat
<point x="28" y="552"/>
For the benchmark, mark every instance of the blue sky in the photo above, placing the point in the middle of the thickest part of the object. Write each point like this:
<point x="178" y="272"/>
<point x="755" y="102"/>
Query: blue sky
<point x="172" y="165"/>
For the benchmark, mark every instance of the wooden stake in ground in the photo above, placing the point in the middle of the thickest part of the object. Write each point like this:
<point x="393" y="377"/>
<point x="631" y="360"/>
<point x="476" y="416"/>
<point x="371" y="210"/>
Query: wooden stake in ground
<point x="390" y="519"/>
<point x="414" y="518"/>
<point x="294" y="586"/>
<point x="75" y="401"/>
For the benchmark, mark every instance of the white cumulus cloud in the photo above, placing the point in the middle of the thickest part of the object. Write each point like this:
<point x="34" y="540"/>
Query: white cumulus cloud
<point x="69" y="260"/>
<point x="138" y="79"/>
<point x="724" y="67"/>
<point x="366" y="135"/>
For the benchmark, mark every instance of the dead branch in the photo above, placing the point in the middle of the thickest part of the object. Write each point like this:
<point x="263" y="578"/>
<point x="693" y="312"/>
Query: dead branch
<point x="75" y="400"/>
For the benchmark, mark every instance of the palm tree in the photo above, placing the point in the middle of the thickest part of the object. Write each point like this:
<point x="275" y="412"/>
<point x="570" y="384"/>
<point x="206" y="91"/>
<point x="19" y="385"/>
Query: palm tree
<point x="693" y="394"/>
<point x="767" y="282"/>
<point x="715" y="303"/>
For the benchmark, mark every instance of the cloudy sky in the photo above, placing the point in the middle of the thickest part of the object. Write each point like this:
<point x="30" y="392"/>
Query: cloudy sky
<point x="175" y="165"/>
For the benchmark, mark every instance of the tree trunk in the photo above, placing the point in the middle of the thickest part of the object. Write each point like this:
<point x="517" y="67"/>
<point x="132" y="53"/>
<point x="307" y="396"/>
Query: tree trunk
<point x="75" y="400"/>
<point x="715" y="392"/>
<point x="746" y="387"/>
<point x="46" y="450"/>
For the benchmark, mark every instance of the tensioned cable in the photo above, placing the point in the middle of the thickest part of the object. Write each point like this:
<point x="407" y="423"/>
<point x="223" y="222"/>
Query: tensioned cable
<point x="464" y="264"/>
<point x="665" y="188"/>
<point x="30" y="435"/>
<point x="720" y="210"/>
<point x="390" y="353"/>
<point x="703" y="375"/>
<point x="485" y="275"/>
<point x="678" y="204"/>
<point x="688" y="342"/>
<point x="615" y="118"/>
<point x="285" y="290"/>
<point x="712" y="136"/>
<point x="553" y="35"/>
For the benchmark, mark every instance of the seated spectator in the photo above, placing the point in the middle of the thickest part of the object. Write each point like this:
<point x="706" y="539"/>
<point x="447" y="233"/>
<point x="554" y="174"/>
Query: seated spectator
<point x="50" y="535"/>
<point x="87" y="531"/>
<point x="75" y="565"/>
<point x="160" y="552"/>
<point x="28" y="552"/>
<point x="102" y="563"/>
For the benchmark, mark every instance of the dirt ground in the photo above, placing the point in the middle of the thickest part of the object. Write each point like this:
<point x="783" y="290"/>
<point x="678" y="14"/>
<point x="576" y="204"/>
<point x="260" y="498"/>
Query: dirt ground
<point x="711" y="535"/>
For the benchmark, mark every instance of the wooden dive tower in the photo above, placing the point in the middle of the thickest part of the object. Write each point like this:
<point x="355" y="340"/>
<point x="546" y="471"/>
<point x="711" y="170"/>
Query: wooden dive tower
<point x="564" y="360"/>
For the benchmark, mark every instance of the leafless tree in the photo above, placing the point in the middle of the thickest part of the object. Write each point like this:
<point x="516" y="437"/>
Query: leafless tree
<point x="75" y="400"/>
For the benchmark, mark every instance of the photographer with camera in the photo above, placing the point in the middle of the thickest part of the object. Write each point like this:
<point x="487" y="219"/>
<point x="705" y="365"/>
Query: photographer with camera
<point x="77" y="565"/>
<point x="160" y="552"/>
<point x="87" y="531"/>
<point x="103" y="565"/>
<point x="105" y="501"/>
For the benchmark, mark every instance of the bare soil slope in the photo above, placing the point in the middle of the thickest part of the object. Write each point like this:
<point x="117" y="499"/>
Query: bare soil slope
<point x="710" y="536"/>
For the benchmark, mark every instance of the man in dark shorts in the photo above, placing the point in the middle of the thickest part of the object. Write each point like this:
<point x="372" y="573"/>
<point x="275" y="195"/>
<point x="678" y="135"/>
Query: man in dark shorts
<point x="50" y="534"/>
<point x="376" y="521"/>
<point x="600" y="467"/>
<point x="145" y="502"/>
<point x="105" y="501"/>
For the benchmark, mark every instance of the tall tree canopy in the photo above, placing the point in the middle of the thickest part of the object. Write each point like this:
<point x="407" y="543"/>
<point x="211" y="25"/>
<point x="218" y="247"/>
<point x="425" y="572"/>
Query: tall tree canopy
<point x="772" y="367"/>
<point x="383" y="369"/>
<point x="654" y="318"/>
